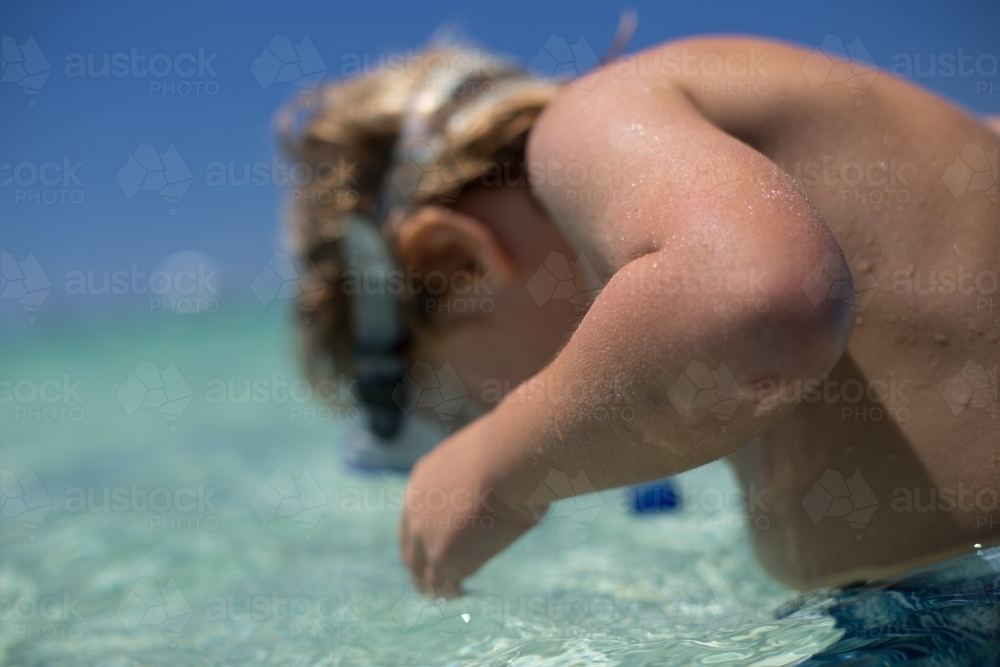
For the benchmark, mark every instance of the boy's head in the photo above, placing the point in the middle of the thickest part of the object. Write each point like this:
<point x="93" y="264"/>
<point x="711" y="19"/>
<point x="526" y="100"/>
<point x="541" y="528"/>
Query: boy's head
<point x="432" y="156"/>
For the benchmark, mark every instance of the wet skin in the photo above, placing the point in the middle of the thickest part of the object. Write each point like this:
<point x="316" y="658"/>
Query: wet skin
<point x="932" y="259"/>
<point x="713" y="174"/>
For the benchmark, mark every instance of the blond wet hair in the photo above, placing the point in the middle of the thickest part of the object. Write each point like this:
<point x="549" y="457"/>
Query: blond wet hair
<point x="349" y="146"/>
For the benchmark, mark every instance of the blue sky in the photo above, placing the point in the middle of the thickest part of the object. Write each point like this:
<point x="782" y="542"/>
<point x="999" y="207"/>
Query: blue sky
<point x="87" y="217"/>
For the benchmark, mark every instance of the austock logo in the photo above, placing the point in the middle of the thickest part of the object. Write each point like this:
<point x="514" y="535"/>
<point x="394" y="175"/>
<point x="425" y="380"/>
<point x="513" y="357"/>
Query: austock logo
<point x="445" y="612"/>
<point x="578" y="500"/>
<point x="561" y="280"/>
<point x="284" y="279"/>
<point x="185" y="283"/>
<point x="24" y="64"/>
<point x="149" y="388"/>
<point x="149" y="170"/>
<point x="148" y="604"/>
<point x="284" y="62"/>
<point x="49" y="182"/>
<point x="182" y="508"/>
<point x="700" y="387"/>
<point x="974" y="170"/>
<point x="836" y="280"/>
<point x="51" y="399"/>
<point x="184" y="74"/>
<point x="24" y="499"/>
<point x="948" y="65"/>
<point x="24" y="282"/>
<point x="305" y="616"/>
<point x="440" y="390"/>
<point x="558" y="61"/>
<point x="429" y="168"/>
<point x="975" y="387"/>
<point x="833" y="496"/>
<point x="50" y="616"/>
<point x="835" y="62"/>
<point x="284" y="496"/>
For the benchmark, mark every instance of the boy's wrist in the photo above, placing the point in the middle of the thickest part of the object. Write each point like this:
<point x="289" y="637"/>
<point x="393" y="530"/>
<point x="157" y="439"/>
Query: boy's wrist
<point x="509" y="458"/>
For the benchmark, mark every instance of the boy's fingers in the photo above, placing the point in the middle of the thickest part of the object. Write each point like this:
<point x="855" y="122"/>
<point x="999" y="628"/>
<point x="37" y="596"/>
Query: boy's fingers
<point x="404" y="539"/>
<point x="411" y="548"/>
<point x="417" y="558"/>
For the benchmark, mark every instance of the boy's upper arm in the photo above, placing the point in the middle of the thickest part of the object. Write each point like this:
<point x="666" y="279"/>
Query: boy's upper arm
<point x="629" y="167"/>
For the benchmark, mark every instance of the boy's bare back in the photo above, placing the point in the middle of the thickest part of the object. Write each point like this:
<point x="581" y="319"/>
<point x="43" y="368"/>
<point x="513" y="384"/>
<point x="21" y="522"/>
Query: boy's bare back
<point x="884" y="162"/>
<point x="834" y="232"/>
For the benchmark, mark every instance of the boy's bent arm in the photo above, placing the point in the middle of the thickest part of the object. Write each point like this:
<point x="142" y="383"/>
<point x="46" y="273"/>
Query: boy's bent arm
<point x="714" y="256"/>
<point x="714" y="263"/>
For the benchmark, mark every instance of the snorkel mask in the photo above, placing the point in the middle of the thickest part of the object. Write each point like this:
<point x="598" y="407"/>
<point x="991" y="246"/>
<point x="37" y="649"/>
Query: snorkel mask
<point x="397" y="434"/>
<point x="376" y="318"/>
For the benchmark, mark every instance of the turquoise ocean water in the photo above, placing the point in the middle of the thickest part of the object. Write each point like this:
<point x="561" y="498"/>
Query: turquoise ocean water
<point x="205" y="525"/>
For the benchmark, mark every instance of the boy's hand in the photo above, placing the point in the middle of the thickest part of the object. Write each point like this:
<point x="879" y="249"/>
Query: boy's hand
<point x="453" y="518"/>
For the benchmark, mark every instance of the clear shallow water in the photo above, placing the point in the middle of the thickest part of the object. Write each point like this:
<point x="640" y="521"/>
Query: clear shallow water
<point x="196" y="559"/>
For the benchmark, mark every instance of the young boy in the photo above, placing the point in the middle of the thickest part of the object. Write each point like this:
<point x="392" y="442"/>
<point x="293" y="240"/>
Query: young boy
<point x="792" y="262"/>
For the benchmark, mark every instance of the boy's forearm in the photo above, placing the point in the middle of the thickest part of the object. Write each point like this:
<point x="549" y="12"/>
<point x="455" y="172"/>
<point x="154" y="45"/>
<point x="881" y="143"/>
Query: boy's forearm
<point x="620" y="403"/>
<point x="631" y="396"/>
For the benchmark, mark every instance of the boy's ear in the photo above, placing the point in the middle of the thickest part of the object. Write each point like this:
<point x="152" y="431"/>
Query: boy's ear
<point x="464" y="249"/>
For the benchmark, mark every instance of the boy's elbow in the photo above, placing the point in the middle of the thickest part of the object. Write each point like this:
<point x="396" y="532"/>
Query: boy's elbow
<point x="803" y="325"/>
